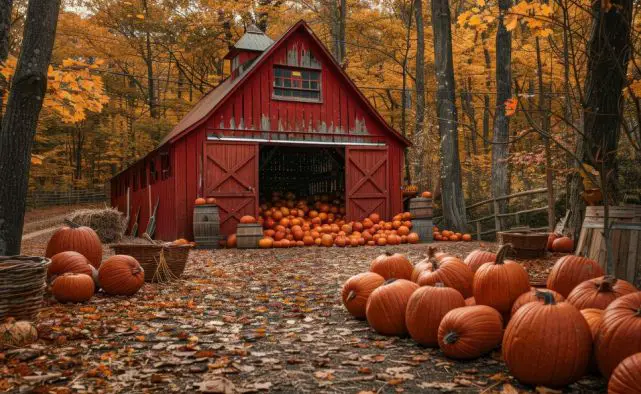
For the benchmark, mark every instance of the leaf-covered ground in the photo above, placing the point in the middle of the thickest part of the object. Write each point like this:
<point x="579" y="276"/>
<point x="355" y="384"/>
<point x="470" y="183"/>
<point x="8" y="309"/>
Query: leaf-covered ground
<point x="245" y="321"/>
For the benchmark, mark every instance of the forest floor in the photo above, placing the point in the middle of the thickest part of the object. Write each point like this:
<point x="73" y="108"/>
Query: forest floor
<point x="244" y="321"/>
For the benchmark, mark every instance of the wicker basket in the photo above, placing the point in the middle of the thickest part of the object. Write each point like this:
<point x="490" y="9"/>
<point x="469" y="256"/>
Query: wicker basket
<point x="22" y="286"/>
<point x="527" y="244"/>
<point x="149" y="257"/>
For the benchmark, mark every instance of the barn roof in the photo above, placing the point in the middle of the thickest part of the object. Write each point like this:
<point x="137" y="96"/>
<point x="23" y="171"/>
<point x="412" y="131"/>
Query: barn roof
<point x="211" y="101"/>
<point x="253" y="40"/>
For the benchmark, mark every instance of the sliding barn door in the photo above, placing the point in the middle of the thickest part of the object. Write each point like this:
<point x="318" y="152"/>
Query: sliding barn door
<point x="367" y="181"/>
<point x="231" y="175"/>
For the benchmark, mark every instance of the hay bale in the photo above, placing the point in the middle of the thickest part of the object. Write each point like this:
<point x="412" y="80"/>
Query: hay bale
<point x="108" y="223"/>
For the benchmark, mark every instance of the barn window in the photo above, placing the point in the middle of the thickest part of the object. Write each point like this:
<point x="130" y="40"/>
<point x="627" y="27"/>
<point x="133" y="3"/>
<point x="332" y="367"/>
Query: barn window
<point x="153" y="174"/>
<point x="165" y="165"/>
<point x="297" y="84"/>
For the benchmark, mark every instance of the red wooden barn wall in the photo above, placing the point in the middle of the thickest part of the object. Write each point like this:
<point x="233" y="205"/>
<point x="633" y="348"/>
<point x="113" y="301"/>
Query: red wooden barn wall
<point x="249" y="110"/>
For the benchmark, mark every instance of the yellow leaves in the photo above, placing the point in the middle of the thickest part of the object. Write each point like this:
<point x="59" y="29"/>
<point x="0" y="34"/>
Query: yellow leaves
<point x="140" y="16"/>
<point x="475" y="20"/>
<point x="534" y="15"/>
<point x="481" y="3"/>
<point x="36" y="160"/>
<point x="511" y="22"/>
<point x="510" y="106"/>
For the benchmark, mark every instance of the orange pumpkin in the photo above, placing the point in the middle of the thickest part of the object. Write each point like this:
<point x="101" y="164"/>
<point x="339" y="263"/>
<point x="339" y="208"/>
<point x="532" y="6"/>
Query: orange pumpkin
<point x="625" y="378"/>
<point x="327" y="240"/>
<point x="247" y="219"/>
<point x="210" y="200"/>
<point x="375" y="218"/>
<point x="71" y="287"/>
<point x="469" y="332"/>
<point x="426" y="194"/>
<point x="532" y="296"/>
<point x="466" y="237"/>
<point x="121" y="275"/>
<point x="390" y="266"/>
<point x="425" y="310"/>
<point x="200" y="201"/>
<point x="569" y="271"/>
<point x="477" y="258"/>
<point x="386" y="306"/>
<point x="232" y="241"/>
<point x="76" y="238"/>
<point x="599" y="292"/>
<point x="563" y="245"/>
<point x="451" y="272"/>
<point x="70" y="261"/>
<point x="266" y="243"/>
<point x="357" y="290"/>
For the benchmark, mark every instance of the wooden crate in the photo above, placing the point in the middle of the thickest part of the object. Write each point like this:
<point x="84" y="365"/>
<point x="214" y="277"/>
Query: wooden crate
<point x="625" y="233"/>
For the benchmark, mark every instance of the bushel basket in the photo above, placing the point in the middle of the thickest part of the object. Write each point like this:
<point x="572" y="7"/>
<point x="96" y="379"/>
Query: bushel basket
<point x="161" y="263"/>
<point x="22" y="286"/>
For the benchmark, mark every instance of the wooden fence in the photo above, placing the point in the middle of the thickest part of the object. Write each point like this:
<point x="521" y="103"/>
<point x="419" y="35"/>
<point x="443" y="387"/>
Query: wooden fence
<point x="40" y="199"/>
<point x="494" y="215"/>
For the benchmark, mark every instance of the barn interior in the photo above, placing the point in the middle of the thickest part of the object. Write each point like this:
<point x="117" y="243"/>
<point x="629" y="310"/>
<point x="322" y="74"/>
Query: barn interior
<point x="304" y="171"/>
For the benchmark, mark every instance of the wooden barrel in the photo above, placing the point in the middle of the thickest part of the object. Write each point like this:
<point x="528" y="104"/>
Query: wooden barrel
<point x="625" y="236"/>
<point x="423" y="227"/>
<point x="207" y="226"/>
<point x="248" y="235"/>
<point x="421" y="208"/>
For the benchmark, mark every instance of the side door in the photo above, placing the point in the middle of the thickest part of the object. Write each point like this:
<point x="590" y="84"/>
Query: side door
<point x="367" y="181"/>
<point x="231" y="176"/>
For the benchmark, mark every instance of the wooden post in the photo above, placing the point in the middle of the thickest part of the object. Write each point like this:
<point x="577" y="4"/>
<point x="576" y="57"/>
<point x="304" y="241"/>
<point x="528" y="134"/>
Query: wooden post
<point x="478" y="231"/>
<point x="497" y="220"/>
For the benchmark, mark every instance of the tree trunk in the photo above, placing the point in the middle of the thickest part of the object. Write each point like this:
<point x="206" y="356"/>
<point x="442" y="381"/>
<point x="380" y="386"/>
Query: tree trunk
<point x="29" y="86"/>
<point x="420" y="89"/>
<point x="545" y="127"/>
<point x="608" y="55"/>
<point x="5" y="26"/>
<point x="500" y="148"/>
<point x="452" y="191"/>
<point x="486" y="96"/>
<point x="151" y="82"/>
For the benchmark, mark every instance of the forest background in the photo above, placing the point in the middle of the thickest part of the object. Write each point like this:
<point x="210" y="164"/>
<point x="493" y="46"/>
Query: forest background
<point x="124" y="72"/>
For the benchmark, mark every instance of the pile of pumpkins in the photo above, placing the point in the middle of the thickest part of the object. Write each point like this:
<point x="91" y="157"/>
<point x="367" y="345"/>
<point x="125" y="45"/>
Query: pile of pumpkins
<point x="77" y="271"/>
<point x="583" y="322"/>
<point x="290" y="222"/>
<point x="447" y="235"/>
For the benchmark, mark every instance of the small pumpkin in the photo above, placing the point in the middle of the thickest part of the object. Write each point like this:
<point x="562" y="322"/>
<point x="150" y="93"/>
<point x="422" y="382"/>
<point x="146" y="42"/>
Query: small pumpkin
<point x="390" y="266"/>
<point x="200" y="201"/>
<point x="452" y="272"/>
<point x="266" y="243"/>
<point x="232" y="241"/>
<point x="386" y="306"/>
<point x="121" y="275"/>
<point x="74" y="237"/>
<point x="425" y="309"/>
<point x="69" y="262"/>
<point x="357" y="290"/>
<point x="412" y="238"/>
<point x="17" y="334"/>
<point x="426" y="194"/>
<point x="625" y="377"/>
<point x="247" y="219"/>
<point x="478" y="257"/>
<point x="563" y="245"/>
<point x="210" y="200"/>
<point x="469" y="332"/>
<point x="547" y="344"/>
<point x="531" y="296"/>
<point x="569" y="271"/>
<point x="599" y="292"/>
<point x="618" y="335"/>
<point x="593" y="317"/>
<point x="551" y="238"/>
<point x="71" y="287"/>
<point x="499" y="283"/>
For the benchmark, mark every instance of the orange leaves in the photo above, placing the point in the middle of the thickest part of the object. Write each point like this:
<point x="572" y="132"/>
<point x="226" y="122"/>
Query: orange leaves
<point x="510" y="106"/>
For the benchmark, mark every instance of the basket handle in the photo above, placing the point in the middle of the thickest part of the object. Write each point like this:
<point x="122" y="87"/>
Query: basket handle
<point x="148" y="238"/>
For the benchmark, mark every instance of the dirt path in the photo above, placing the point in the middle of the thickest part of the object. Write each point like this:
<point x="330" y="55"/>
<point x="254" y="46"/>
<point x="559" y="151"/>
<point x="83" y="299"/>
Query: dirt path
<point x="38" y="233"/>
<point x="244" y="321"/>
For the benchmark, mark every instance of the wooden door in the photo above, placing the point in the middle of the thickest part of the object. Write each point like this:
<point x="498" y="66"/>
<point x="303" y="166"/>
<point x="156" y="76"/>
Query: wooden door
<point x="367" y="182"/>
<point x="231" y="175"/>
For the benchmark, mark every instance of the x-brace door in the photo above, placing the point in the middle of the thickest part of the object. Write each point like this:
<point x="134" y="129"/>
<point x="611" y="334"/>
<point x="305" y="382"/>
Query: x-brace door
<point x="231" y="175"/>
<point x="367" y="183"/>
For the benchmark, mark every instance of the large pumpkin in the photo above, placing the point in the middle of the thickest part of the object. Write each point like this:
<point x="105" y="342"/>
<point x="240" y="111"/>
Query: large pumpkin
<point x="450" y="271"/>
<point x="531" y="296"/>
<point x="76" y="238"/>
<point x="385" y="309"/>
<point x="593" y="317"/>
<point x="547" y="344"/>
<point x="17" y="333"/>
<point x="121" y="275"/>
<point x="357" y="290"/>
<point x="479" y="257"/>
<point x="69" y="261"/>
<point x="620" y="332"/>
<point x="626" y="376"/>
<point x="569" y="271"/>
<point x="426" y="308"/>
<point x="70" y="287"/>
<point x="469" y="332"/>
<point x="599" y="292"/>
<point x="499" y="283"/>
<point x="390" y="266"/>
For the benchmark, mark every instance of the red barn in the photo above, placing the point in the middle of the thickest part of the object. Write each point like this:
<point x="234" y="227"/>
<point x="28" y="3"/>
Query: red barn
<point x="287" y="117"/>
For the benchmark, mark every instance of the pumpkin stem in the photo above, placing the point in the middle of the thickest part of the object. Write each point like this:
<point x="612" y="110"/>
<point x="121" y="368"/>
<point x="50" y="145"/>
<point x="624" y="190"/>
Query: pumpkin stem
<point x="351" y="295"/>
<point x="71" y="224"/>
<point x="546" y="296"/>
<point x="503" y="251"/>
<point x="389" y="281"/>
<point x="605" y="286"/>
<point x="431" y="252"/>
<point x="450" y="338"/>
<point x="388" y="253"/>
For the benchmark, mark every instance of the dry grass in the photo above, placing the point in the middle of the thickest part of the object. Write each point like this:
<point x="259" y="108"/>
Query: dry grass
<point x="108" y="223"/>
